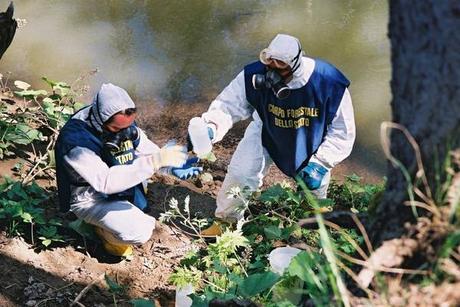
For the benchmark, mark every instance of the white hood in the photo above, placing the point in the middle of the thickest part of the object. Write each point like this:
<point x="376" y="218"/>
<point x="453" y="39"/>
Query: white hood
<point x="110" y="100"/>
<point x="288" y="49"/>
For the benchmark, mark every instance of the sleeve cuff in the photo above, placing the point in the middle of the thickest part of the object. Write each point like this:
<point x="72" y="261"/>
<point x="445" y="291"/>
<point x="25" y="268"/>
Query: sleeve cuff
<point x="315" y="159"/>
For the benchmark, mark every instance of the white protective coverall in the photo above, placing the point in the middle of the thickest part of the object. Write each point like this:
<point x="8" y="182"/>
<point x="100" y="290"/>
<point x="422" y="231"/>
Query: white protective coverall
<point x="127" y="223"/>
<point x="251" y="161"/>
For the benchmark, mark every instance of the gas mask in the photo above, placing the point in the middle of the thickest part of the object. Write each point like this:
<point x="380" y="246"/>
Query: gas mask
<point x="271" y="79"/>
<point x="113" y="140"/>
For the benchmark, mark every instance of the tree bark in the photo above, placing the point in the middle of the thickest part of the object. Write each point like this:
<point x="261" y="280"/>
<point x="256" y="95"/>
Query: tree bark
<point x="425" y="56"/>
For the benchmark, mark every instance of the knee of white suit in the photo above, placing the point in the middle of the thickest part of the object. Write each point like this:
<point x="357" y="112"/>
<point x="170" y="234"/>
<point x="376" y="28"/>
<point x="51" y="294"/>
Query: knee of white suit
<point x="138" y="234"/>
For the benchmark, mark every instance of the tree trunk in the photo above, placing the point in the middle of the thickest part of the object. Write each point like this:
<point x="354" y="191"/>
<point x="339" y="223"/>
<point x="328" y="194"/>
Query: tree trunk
<point x="425" y="49"/>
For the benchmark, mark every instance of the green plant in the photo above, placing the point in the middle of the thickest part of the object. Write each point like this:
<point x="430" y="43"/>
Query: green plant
<point x="353" y="195"/>
<point x="236" y="265"/>
<point x="175" y="213"/>
<point x="32" y="122"/>
<point x="22" y="212"/>
<point x="114" y="288"/>
<point x="117" y="290"/>
<point x="140" y="302"/>
<point x="49" y="234"/>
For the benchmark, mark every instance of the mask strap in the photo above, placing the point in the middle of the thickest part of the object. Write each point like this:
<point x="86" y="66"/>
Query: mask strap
<point x="297" y="58"/>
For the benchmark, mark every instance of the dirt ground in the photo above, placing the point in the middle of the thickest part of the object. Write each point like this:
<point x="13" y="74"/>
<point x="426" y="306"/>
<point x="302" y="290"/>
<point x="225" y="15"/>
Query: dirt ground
<point x="57" y="276"/>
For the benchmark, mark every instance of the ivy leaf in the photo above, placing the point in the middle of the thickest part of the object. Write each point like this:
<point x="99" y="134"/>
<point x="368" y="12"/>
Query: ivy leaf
<point x="48" y="106"/>
<point x="140" y="302"/>
<point x="46" y="242"/>
<point x="26" y="217"/>
<point x="83" y="229"/>
<point x="17" y="192"/>
<point x="210" y="156"/>
<point x="218" y="267"/>
<point x="55" y="222"/>
<point x="257" y="265"/>
<point x="272" y="232"/>
<point x="256" y="283"/>
<point x="295" y="197"/>
<point x="21" y="85"/>
<point x="286" y="232"/>
<point x="198" y="300"/>
<point x="31" y="93"/>
<point x="113" y="286"/>
<point x="325" y="202"/>
<point x="48" y="231"/>
<point x="51" y="83"/>
<point x="273" y="194"/>
<point x="14" y="211"/>
<point x="23" y="134"/>
<point x="303" y="266"/>
<point x="353" y="178"/>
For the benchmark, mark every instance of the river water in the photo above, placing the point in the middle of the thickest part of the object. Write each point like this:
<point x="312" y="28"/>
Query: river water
<point x="188" y="50"/>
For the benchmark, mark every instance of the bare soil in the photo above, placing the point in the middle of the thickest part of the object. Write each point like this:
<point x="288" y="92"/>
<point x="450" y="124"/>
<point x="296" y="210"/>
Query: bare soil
<point x="55" y="277"/>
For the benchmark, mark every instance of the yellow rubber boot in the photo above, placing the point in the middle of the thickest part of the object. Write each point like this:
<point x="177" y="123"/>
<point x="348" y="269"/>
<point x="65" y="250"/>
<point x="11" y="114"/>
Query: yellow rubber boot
<point x="216" y="229"/>
<point x="120" y="250"/>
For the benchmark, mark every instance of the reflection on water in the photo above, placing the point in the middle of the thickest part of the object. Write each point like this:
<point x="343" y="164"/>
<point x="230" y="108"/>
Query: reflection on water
<point x="186" y="50"/>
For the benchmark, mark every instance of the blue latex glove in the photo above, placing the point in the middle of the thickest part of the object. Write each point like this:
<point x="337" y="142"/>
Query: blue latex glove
<point x="312" y="175"/>
<point x="210" y="133"/>
<point x="187" y="170"/>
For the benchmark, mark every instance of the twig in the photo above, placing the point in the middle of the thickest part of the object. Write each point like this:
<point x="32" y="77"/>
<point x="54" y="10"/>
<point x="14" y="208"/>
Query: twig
<point x="184" y="231"/>
<point x="37" y="164"/>
<point x="420" y="174"/>
<point x="281" y="216"/>
<point x="378" y="267"/>
<point x="213" y="285"/>
<point x="66" y="286"/>
<point x="354" y="277"/>
<point x="32" y="232"/>
<point x="424" y="206"/>
<point x="44" y="300"/>
<point x="363" y="231"/>
<point x="86" y="289"/>
<point x="9" y="286"/>
<point x="241" y="265"/>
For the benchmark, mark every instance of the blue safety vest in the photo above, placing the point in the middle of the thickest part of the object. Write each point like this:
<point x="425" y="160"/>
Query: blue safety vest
<point x="77" y="133"/>
<point x="294" y="128"/>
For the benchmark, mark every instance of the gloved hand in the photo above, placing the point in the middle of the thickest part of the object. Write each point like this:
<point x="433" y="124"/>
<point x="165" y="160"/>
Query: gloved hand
<point x="200" y="135"/>
<point x="312" y="175"/>
<point x="189" y="141"/>
<point x="187" y="170"/>
<point x="170" y="155"/>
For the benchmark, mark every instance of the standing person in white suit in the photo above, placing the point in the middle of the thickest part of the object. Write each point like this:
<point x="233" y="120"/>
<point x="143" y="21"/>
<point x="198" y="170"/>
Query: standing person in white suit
<point x="303" y="121"/>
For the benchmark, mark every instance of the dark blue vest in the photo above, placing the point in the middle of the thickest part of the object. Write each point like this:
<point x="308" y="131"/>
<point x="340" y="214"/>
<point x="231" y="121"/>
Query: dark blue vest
<point x="294" y="128"/>
<point x="76" y="133"/>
